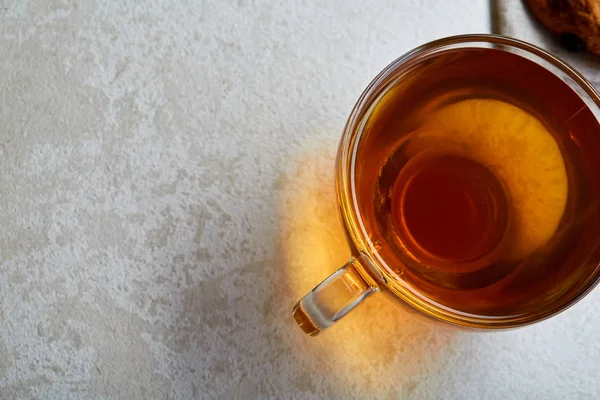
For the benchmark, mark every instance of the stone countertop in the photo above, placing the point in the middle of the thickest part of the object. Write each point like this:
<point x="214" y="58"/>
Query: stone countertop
<point x="167" y="195"/>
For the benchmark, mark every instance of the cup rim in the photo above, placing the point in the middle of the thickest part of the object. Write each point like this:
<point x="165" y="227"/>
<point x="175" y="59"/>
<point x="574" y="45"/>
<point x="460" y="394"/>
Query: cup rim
<point x="345" y="168"/>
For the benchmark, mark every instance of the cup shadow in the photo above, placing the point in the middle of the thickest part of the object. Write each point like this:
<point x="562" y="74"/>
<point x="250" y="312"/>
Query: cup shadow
<point x="381" y="346"/>
<point x="232" y="335"/>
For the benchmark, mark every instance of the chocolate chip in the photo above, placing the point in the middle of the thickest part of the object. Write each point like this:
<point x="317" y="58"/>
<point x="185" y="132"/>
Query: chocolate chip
<point x="572" y="43"/>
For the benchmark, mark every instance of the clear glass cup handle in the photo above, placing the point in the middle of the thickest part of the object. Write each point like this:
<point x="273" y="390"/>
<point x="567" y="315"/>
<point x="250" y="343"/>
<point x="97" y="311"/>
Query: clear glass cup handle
<point x="331" y="299"/>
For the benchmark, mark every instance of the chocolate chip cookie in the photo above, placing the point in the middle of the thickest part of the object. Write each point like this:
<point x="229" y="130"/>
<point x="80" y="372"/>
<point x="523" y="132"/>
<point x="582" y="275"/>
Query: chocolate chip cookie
<point x="576" y="21"/>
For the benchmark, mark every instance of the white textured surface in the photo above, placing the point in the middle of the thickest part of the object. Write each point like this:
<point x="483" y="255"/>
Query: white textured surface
<point x="167" y="194"/>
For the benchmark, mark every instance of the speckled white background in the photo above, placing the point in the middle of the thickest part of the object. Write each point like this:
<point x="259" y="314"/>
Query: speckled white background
<point x="166" y="195"/>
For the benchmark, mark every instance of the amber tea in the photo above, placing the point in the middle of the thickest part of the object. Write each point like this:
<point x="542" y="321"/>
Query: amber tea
<point x="478" y="180"/>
